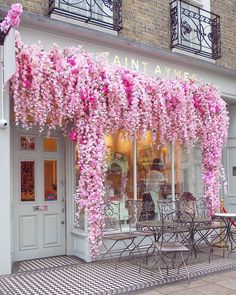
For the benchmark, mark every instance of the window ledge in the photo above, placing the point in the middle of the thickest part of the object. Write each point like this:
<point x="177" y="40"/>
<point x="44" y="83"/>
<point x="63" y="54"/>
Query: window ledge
<point x="83" y="24"/>
<point x="196" y="56"/>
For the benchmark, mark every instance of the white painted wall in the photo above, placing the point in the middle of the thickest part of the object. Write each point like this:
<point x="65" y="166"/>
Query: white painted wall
<point x="5" y="193"/>
<point x="232" y="127"/>
<point x="152" y="67"/>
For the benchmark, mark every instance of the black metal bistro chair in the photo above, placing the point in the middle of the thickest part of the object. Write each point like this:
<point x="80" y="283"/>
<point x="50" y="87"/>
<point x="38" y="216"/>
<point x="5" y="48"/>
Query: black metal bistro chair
<point x="115" y="242"/>
<point x="139" y="211"/>
<point x="165" y="252"/>
<point x="209" y="232"/>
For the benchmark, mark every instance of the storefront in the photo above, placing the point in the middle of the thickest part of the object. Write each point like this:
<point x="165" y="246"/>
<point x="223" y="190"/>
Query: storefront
<point x="40" y="178"/>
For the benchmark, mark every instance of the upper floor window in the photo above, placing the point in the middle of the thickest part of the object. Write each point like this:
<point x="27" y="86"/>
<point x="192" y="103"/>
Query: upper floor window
<point x="102" y="13"/>
<point x="195" y="29"/>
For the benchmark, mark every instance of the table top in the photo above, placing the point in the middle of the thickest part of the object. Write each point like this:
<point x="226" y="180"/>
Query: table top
<point x="225" y="215"/>
<point x="155" y="225"/>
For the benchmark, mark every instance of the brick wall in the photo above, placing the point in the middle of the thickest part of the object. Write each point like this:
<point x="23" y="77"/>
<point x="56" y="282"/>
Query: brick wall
<point x="227" y="11"/>
<point x="148" y="22"/>
<point x="35" y="6"/>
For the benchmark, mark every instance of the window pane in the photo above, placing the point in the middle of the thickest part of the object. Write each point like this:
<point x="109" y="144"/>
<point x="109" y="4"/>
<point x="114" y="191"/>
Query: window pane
<point x="27" y="181"/>
<point x="27" y="142"/>
<point x="188" y="170"/>
<point x="153" y="169"/>
<point x="119" y="176"/>
<point x="50" y="144"/>
<point x="81" y="221"/>
<point x="50" y="180"/>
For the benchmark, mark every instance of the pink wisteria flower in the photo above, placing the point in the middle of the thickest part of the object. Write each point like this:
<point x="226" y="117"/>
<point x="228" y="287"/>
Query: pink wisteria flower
<point x="77" y="92"/>
<point x="73" y="136"/>
<point x="13" y="17"/>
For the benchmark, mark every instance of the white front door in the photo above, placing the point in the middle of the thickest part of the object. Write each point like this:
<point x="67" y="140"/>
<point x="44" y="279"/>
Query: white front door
<point x="39" y="192"/>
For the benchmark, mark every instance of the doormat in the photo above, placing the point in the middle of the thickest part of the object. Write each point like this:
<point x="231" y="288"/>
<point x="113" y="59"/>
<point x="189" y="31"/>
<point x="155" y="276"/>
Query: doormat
<point x="100" y="278"/>
<point x="42" y="263"/>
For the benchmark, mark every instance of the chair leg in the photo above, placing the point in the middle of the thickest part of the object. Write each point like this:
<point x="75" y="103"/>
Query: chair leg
<point x="185" y="266"/>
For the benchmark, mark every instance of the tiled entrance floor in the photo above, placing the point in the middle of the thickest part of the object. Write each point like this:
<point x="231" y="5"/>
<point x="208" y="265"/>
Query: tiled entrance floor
<point x="100" y="278"/>
<point x="39" y="264"/>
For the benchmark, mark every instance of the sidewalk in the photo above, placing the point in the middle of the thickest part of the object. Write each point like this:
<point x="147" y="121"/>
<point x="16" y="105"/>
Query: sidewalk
<point x="222" y="283"/>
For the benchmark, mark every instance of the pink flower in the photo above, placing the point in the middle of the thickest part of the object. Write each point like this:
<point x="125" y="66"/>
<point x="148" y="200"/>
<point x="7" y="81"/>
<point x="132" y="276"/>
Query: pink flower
<point x="101" y="99"/>
<point x="13" y="17"/>
<point x="71" y="61"/>
<point x="73" y="136"/>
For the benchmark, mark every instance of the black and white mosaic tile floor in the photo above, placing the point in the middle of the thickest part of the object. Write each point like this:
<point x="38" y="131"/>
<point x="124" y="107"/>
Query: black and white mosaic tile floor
<point x="97" y="278"/>
<point x="37" y="264"/>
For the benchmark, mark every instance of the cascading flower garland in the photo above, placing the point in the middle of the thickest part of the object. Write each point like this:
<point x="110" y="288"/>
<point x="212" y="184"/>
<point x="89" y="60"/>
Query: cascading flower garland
<point x="89" y="98"/>
<point x="12" y="19"/>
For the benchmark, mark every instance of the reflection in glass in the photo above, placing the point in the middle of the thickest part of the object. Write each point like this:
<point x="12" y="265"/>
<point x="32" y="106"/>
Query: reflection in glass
<point x="119" y="176"/>
<point x="27" y="142"/>
<point x="50" y="180"/>
<point x="188" y="170"/>
<point x="27" y="181"/>
<point x="153" y="169"/>
<point x="50" y="144"/>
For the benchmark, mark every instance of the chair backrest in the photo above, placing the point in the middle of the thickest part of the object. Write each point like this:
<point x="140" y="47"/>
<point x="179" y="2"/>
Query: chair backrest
<point x="202" y="207"/>
<point x="111" y="216"/>
<point x="174" y="224"/>
<point x="167" y="209"/>
<point x="187" y="204"/>
<point x="139" y="211"/>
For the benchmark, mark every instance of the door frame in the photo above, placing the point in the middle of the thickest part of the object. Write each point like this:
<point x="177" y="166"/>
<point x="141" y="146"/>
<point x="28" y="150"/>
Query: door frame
<point x="16" y="131"/>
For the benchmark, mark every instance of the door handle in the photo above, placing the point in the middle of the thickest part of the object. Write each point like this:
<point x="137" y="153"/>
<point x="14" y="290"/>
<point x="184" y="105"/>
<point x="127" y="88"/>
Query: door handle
<point x="40" y="208"/>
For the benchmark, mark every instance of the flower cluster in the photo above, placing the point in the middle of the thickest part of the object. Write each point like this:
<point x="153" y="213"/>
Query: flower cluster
<point x="13" y="18"/>
<point x="88" y="98"/>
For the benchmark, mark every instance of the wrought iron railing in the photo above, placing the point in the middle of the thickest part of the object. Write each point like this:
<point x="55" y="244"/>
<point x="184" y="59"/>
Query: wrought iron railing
<point x="103" y="13"/>
<point x="195" y="30"/>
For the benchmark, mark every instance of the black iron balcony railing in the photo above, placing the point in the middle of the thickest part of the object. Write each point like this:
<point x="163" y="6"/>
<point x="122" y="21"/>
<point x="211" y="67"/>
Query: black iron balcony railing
<point x="103" y="13"/>
<point x="195" y="30"/>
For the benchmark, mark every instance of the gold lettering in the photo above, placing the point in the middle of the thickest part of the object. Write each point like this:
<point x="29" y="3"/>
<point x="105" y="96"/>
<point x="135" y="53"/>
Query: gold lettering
<point x="177" y="73"/>
<point x="135" y="64"/>
<point x="167" y="71"/>
<point x="194" y="77"/>
<point x="186" y="75"/>
<point x="126" y="61"/>
<point x="144" y="66"/>
<point x="116" y="60"/>
<point x="158" y="70"/>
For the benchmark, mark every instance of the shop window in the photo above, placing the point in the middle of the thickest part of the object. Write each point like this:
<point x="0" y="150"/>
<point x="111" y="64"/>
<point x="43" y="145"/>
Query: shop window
<point x="153" y="169"/>
<point x="142" y="170"/>
<point x="27" y="175"/>
<point x="119" y="176"/>
<point x="50" y="144"/>
<point x="50" y="180"/>
<point x="188" y="170"/>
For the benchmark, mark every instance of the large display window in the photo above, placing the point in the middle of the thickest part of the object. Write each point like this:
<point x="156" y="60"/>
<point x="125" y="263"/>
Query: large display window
<point x="143" y="169"/>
